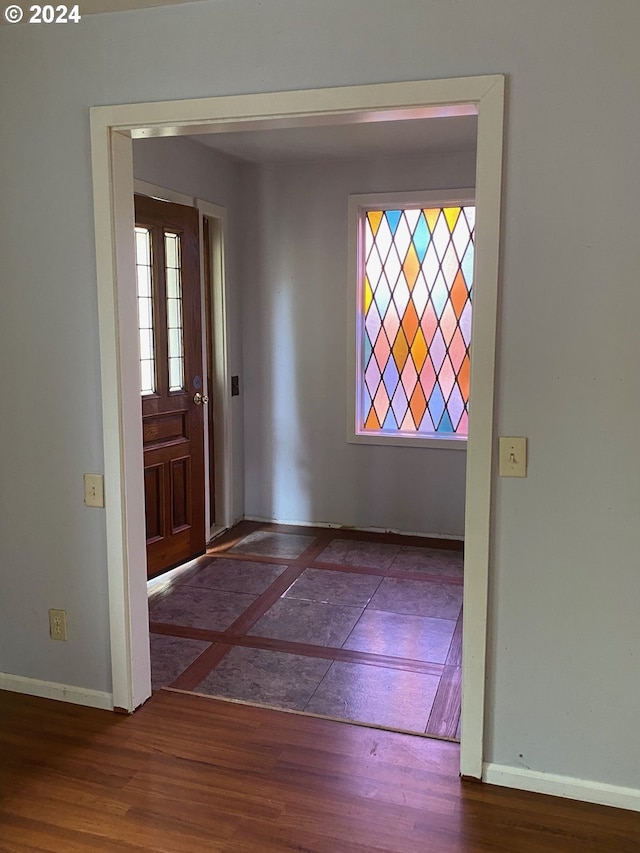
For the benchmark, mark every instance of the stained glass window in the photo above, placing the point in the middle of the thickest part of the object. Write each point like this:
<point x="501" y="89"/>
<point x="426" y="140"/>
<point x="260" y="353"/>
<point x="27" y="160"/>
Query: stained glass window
<point x="416" y="310"/>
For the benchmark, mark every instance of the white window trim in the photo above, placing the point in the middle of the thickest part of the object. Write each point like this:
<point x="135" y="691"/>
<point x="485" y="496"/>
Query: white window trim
<point x="357" y="205"/>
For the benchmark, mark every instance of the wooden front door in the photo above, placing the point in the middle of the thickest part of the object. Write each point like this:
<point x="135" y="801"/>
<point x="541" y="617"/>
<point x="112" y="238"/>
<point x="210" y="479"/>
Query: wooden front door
<point x="169" y="313"/>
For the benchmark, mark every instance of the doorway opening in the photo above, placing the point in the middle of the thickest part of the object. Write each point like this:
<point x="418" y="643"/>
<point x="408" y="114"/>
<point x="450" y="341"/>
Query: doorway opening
<point x="112" y="130"/>
<point x="410" y="588"/>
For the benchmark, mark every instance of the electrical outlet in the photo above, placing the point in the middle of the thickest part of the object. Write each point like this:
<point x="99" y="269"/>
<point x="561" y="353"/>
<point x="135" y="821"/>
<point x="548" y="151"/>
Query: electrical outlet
<point x="513" y="456"/>
<point x="93" y="490"/>
<point x="58" y="624"/>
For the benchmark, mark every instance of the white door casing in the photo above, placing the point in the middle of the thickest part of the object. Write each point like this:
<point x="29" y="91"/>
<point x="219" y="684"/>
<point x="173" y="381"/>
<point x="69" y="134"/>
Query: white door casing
<point x="112" y="129"/>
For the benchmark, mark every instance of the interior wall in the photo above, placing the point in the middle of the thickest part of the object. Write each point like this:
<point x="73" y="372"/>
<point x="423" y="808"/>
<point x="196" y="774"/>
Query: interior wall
<point x="184" y="166"/>
<point x="299" y="466"/>
<point x="563" y="696"/>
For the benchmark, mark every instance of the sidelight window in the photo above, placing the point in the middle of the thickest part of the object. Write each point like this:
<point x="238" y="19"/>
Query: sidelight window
<point x="144" y="278"/>
<point x="174" y="311"/>
<point x="151" y="310"/>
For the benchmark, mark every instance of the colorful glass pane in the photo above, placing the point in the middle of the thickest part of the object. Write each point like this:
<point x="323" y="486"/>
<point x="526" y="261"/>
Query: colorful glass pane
<point x="416" y="307"/>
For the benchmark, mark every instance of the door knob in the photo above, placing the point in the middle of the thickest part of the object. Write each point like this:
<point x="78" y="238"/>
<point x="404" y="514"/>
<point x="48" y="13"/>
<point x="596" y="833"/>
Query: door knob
<point x="199" y="399"/>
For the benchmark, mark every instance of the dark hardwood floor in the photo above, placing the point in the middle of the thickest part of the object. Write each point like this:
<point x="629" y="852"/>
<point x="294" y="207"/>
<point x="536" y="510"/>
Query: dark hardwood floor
<point x="187" y="773"/>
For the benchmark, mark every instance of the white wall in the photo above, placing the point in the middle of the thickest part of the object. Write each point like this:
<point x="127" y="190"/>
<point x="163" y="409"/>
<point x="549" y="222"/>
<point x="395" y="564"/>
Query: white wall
<point x="184" y="166"/>
<point x="299" y="466"/>
<point x="563" y="694"/>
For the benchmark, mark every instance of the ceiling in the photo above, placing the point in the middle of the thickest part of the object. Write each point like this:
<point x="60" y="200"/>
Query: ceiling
<point x="397" y="138"/>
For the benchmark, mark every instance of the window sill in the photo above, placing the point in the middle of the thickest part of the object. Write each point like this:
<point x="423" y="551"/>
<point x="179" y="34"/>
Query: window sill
<point x="407" y="440"/>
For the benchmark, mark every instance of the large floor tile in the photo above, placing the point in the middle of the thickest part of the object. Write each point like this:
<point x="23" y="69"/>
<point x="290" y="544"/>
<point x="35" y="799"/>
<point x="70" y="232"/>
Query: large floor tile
<point x="415" y="637"/>
<point x="418" y="598"/>
<point x="196" y="607"/>
<point x="307" y="622"/>
<point x="267" y="543"/>
<point x="334" y="587"/>
<point x="399" y="617"/>
<point x="431" y="561"/>
<point x="236" y="576"/>
<point x="370" y="694"/>
<point x="276" y="679"/>
<point x="170" y="656"/>
<point x="354" y="552"/>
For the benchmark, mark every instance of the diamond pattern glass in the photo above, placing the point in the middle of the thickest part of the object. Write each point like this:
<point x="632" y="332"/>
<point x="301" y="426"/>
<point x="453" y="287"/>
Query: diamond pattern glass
<point x="416" y="307"/>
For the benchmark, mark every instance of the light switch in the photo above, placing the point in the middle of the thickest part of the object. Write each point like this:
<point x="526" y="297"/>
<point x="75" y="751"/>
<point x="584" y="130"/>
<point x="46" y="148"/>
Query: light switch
<point x="513" y="456"/>
<point x="93" y="490"/>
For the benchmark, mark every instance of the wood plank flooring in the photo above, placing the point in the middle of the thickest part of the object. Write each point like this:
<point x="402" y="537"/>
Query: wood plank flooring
<point x="187" y="774"/>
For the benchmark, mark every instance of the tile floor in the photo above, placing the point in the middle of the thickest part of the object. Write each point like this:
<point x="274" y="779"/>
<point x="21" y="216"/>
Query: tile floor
<point x="349" y="625"/>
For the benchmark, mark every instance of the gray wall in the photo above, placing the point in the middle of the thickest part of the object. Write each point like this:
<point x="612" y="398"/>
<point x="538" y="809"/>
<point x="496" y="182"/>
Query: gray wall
<point x="299" y="466"/>
<point x="563" y="694"/>
<point x="184" y="166"/>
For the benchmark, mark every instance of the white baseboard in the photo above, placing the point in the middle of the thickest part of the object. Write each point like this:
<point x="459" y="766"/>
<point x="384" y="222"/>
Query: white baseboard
<point x="53" y="690"/>
<point x="562" y="786"/>
<point x="330" y="525"/>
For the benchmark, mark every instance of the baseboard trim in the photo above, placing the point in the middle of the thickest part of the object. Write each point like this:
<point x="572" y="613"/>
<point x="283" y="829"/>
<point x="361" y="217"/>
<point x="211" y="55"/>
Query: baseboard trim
<point x="562" y="786"/>
<point x="53" y="690"/>
<point x="332" y="526"/>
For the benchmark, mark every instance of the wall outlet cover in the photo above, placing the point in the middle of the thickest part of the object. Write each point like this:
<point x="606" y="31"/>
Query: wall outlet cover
<point x="58" y="624"/>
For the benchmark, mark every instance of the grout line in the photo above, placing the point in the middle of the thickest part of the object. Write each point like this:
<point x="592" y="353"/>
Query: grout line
<point x="386" y="573"/>
<point x="340" y="655"/>
<point x="455" y="646"/>
<point x="265" y="601"/>
<point x="362" y="614"/>
<point x="198" y="669"/>
<point x="247" y="557"/>
<point x="275" y="590"/>
<point x="317" y="687"/>
<point x="241" y="557"/>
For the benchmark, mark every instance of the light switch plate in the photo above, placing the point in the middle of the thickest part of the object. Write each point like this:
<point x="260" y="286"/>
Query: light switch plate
<point x="93" y="490"/>
<point x="513" y="456"/>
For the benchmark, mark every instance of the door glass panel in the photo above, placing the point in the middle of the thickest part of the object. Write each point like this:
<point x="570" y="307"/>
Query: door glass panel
<point x="174" y="311"/>
<point x="144" y="281"/>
